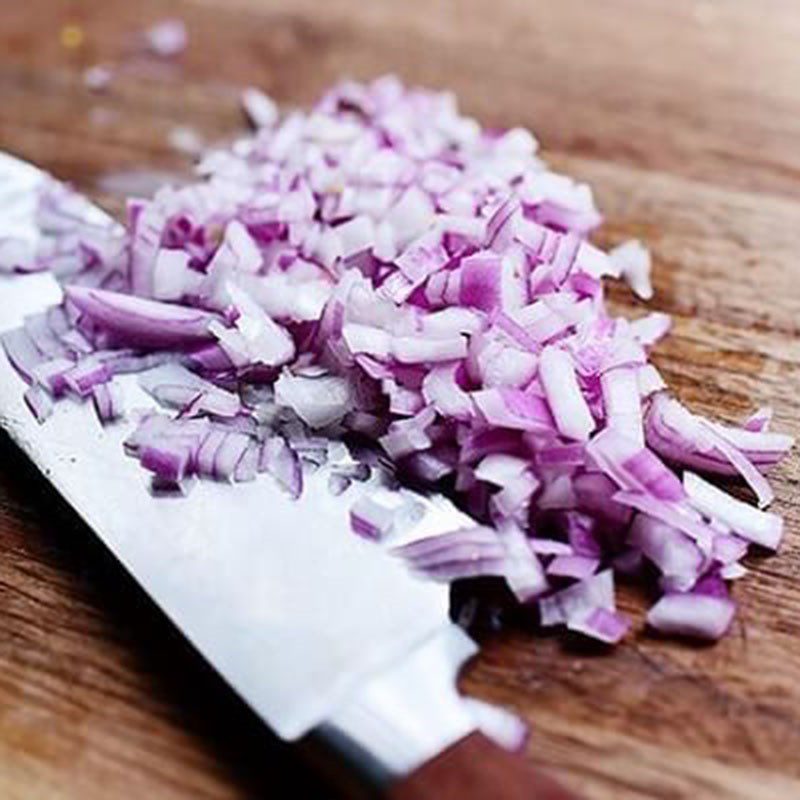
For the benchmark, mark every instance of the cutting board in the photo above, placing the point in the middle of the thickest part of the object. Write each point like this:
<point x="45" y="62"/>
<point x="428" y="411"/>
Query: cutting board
<point x="685" y="117"/>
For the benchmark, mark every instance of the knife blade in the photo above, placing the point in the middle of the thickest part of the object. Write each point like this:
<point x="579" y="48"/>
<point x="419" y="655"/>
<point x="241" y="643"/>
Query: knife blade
<point x="316" y="628"/>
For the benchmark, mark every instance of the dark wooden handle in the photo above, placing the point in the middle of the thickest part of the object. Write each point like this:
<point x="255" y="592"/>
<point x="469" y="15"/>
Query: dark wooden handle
<point x="477" y="769"/>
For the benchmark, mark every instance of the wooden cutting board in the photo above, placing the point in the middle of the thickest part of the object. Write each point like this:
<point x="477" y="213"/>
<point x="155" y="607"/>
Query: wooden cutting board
<point x="685" y="117"/>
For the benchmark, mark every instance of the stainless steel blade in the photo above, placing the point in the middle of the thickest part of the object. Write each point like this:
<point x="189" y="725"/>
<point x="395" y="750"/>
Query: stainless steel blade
<point x="289" y="606"/>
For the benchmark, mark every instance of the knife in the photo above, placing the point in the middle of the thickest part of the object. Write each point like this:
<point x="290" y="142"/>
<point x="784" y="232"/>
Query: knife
<point x="324" y="634"/>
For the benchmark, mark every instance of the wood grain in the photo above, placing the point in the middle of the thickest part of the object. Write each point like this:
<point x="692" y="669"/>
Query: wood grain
<point x="685" y="117"/>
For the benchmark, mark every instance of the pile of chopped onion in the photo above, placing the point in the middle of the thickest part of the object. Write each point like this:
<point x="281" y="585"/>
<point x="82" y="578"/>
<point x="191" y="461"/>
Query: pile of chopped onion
<point x="382" y="266"/>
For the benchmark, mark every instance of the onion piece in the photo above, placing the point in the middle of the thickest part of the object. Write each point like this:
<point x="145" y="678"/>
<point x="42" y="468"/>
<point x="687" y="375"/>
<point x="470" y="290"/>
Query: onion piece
<point x="228" y="455"/>
<point x="319" y="401"/>
<point x="649" y="381"/>
<point x="676" y="515"/>
<point x="39" y="402"/>
<point x="207" y="452"/>
<point x="410" y="216"/>
<point x="513" y="501"/>
<point x="441" y="390"/>
<point x="523" y="572"/>
<point x="260" y="339"/>
<point x="167" y="38"/>
<point x="634" y="266"/>
<point x="174" y="386"/>
<point x="259" y="107"/>
<point x="465" y="542"/>
<point x="729" y="548"/>
<point x="137" y="321"/>
<point x="651" y="328"/>
<point x="86" y="375"/>
<point x="578" y="600"/>
<point x="742" y="464"/>
<point x="282" y="463"/>
<point x="572" y="415"/>
<point x="108" y="402"/>
<point x="247" y="467"/>
<point x="761" y="527"/>
<point x="50" y="375"/>
<point x="623" y="404"/>
<point x="679" y="436"/>
<point x="573" y="566"/>
<point x="733" y="571"/>
<point x="634" y="468"/>
<point x="21" y="352"/>
<point x="601" y="624"/>
<point x="696" y="615"/>
<point x="515" y="409"/>
<point x="168" y="463"/>
<point x="500" y="468"/>
<point x="414" y="350"/>
<point x="759" y="420"/>
<point x="550" y="547"/>
<point x="383" y="512"/>
<point x="407" y="436"/>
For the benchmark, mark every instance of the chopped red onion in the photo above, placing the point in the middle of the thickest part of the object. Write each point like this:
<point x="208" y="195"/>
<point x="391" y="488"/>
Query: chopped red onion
<point x="675" y="554"/>
<point x="741" y="463"/>
<point x="383" y="512"/>
<point x="760" y="527"/>
<point x="634" y="265"/>
<point x="759" y="420"/>
<point x="247" y="467"/>
<point x="729" y="548"/>
<point x="283" y="464"/>
<point x="732" y="572"/>
<point x="578" y="600"/>
<point x="139" y="322"/>
<point x="680" y="436"/>
<point x="207" y="452"/>
<point x="550" y="547"/>
<point x="167" y="38"/>
<point x="39" y="402"/>
<point x="677" y="515"/>
<point x="651" y="328"/>
<point x="573" y="566"/>
<point x="564" y="396"/>
<point x="601" y="624"/>
<point x="623" y="405"/>
<point x="442" y="390"/>
<point x="86" y="375"/>
<point x="17" y="255"/>
<point x="259" y="107"/>
<point x="381" y="265"/>
<point x="319" y="401"/>
<point x="515" y="409"/>
<point x="108" y="402"/>
<point x="97" y="78"/>
<point x="633" y="467"/>
<point x="22" y="352"/>
<point x="697" y="615"/>
<point x="50" y="375"/>
<point x="169" y="462"/>
<point x="230" y="452"/>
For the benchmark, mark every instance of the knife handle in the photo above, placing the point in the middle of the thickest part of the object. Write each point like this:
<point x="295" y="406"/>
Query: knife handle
<point x="475" y="768"/>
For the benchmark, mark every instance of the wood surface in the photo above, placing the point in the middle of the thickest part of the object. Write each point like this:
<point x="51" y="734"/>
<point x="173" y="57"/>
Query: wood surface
<point x="475" y="769"/>
<point x="685" y="117"/>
